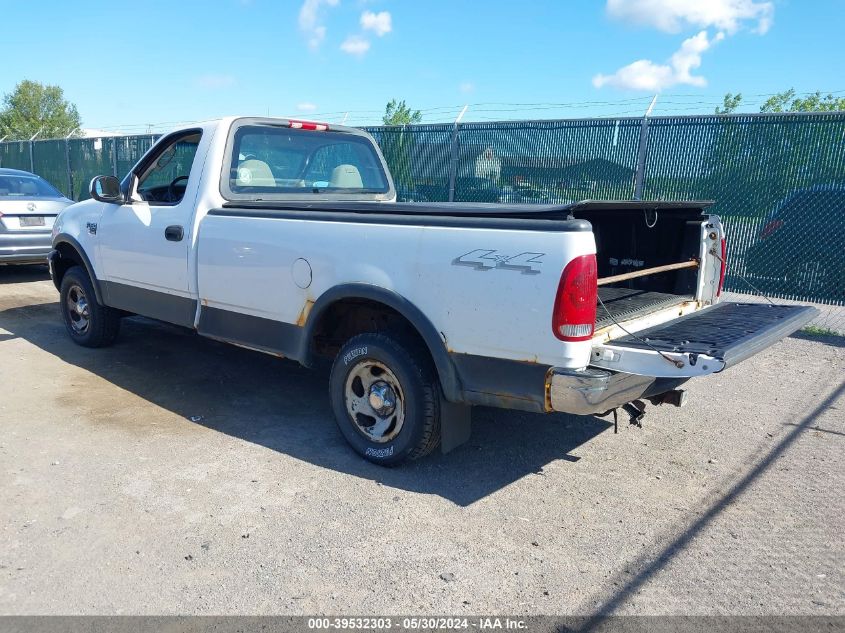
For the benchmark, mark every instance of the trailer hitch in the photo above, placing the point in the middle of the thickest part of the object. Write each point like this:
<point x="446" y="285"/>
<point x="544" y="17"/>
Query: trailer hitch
<point x="635" y="410"/>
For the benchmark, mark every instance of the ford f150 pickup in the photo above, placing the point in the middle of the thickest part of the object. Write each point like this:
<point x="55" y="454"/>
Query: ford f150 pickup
<point x="285" y="236"/>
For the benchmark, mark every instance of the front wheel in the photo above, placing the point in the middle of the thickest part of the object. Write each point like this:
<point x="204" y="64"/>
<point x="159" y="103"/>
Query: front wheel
<point x="89" y="323"/>
<point x="385" y="397"/>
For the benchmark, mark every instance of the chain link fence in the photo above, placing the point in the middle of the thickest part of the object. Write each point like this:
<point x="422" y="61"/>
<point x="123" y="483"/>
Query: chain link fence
<point x="778" y="180"/>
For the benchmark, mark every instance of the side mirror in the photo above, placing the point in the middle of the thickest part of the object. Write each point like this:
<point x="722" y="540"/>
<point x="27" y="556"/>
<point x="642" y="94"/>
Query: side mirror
<point x="106" y="189"/>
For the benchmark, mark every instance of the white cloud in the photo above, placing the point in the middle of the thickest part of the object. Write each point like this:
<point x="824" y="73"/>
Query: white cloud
<point x="214" y="82"/>
<point x="355" y="45"/>
<point x="379" y="23"/>
<point x="306" y="106"/>
<point x="644" y="74"/>
<point x="672" y="16"/>
<point x="466" y="87"/>
<point x="310" y="20"/>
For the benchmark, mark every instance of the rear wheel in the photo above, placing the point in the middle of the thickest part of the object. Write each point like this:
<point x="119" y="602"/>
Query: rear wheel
<point x="385" y="398"/>
<point x="89" y="323"/>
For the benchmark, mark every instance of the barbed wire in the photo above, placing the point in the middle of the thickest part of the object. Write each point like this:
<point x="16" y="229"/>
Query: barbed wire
<point x="668" y="103"/>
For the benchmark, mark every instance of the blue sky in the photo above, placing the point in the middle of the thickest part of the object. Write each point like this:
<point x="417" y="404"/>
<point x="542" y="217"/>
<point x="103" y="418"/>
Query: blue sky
<point x="156" y="62"/>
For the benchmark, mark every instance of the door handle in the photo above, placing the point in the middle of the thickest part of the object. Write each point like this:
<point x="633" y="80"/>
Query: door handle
<point x="174" y="233"/>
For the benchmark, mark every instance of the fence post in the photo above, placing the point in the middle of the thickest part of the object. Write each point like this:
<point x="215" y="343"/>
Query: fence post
<point x="114" y="154"/>
<point x="69" y="172"/>
<point x="642" y="153"/>
<point x="32" y="150"/>
<point x="453" y="162"/>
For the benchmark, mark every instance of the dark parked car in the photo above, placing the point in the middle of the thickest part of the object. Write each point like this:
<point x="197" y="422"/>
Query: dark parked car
<point x="476" y="190"/>
<point x="800" y="248"/>
<point x="28" y="207"/>
<point x="409" y="194"/>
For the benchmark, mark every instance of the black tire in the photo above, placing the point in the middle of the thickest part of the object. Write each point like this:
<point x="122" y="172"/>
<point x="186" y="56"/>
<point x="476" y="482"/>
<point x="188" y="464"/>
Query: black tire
<point x="92" y="324"/>
<point x="416" y="390"/>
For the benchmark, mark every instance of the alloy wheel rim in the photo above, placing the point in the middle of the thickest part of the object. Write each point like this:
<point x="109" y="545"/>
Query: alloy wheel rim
<point x="78" y="310"/>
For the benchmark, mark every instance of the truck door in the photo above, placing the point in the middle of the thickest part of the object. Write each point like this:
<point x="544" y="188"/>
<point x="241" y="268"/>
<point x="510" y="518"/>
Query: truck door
<point x="144" y="243"/>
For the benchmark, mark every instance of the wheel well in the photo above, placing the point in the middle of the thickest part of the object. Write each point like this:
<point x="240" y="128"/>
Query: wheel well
<point x="69" y="258"/>
<point x="351" y="316"/>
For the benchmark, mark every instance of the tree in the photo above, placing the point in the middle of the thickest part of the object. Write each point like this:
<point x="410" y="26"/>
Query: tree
<point x="787" y="101"/>
<point x="730" y="104"/>
<point x="754" y="164"/>
<point x="398" y="144"/>
<point x="37" y="108"/>
<point x="398" y="113"/>
<point x="778" y="102"/>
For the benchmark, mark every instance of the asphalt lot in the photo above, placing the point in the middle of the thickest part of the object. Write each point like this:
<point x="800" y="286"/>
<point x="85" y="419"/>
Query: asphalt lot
<point x="172" y="474"/>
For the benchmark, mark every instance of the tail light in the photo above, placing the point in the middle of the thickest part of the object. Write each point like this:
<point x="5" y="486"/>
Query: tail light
<point x="574" y="317"/>
<point x="770" y="229"/>
<point x="308" y="125"/>
<point x="724" y="267"/>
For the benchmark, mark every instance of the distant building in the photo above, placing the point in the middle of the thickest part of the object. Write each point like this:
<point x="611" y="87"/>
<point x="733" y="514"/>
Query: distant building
<point x="90" y="132"/>
<point x="488" y="165"/>
<point x="565" y="172"/>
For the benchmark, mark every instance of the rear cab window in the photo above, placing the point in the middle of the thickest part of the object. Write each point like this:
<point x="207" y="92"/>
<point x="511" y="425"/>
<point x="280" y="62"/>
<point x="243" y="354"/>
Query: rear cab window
<point x="270" y="161"/>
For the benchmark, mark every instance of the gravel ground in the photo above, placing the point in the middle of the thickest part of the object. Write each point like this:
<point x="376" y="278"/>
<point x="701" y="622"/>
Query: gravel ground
<point x="175" y="475"/>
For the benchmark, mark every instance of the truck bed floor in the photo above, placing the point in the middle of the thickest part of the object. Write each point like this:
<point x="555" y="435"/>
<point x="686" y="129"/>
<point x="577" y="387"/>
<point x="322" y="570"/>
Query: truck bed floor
<point x="623" y="304"/>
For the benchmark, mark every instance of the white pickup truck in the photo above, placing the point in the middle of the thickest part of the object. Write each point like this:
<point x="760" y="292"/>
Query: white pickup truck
<point x="285" y="237"/>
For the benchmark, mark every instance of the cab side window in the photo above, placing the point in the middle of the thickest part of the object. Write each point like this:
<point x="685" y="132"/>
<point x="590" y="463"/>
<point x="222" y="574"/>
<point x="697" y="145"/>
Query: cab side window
<point x="165" y="178"/>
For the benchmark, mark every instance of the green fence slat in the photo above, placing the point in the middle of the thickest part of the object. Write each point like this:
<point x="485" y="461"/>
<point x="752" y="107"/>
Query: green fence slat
<point x="778" y="182"/>
<point x="15" y="155"/>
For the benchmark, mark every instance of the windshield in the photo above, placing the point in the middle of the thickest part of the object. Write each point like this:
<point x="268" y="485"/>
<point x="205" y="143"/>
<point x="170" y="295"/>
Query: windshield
<point x="24" y="186"/>
<point x="268" y="159"/>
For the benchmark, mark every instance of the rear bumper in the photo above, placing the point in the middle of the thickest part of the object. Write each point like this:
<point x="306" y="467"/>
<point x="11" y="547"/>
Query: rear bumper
<point x="594" y="390"/>
<point x="24" y="247"/>
<point x="702" y="343"/>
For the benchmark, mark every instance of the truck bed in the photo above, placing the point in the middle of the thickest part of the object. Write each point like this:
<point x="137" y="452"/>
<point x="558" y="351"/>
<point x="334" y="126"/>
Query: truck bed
<point x="623" y="304"/>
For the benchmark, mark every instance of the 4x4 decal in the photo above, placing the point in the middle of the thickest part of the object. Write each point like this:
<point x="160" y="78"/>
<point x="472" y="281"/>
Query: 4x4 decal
<point x="488" y="259"/>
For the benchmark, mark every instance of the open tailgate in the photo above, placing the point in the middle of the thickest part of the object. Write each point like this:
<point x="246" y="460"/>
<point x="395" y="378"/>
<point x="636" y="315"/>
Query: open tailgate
<point x="703" y="342"/>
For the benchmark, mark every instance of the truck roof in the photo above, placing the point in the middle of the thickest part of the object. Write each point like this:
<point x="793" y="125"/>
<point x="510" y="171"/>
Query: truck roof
<point x="226" y="122"/>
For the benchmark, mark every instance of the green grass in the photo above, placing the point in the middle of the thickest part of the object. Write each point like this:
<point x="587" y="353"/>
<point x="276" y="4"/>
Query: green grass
<point x="815" y="330"/>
